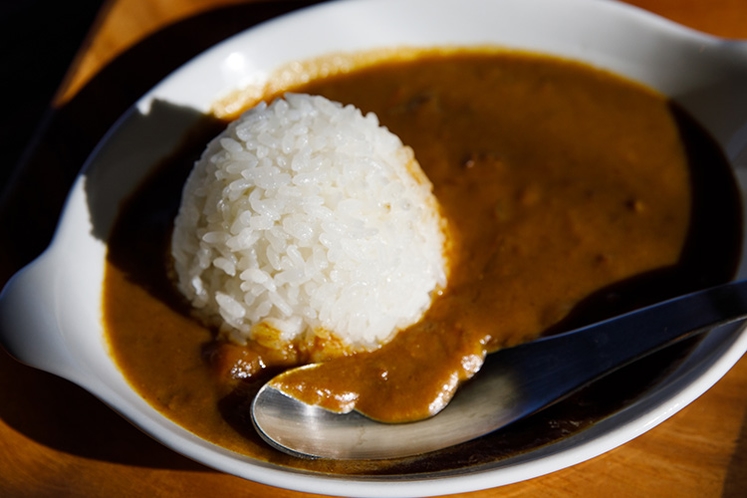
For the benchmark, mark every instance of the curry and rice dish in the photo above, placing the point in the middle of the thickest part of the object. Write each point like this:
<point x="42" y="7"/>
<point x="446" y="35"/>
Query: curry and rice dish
<point x="546" y="194"/>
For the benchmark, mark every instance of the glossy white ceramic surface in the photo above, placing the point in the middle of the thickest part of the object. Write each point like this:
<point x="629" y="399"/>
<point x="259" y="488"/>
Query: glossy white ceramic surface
<point x="50" y="312"/>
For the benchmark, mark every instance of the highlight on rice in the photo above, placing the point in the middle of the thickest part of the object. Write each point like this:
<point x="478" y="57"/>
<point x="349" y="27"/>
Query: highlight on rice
<point x="307" y="224"/>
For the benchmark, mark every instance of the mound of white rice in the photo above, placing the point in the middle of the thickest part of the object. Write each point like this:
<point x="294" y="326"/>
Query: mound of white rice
<point x="306" y="219"/>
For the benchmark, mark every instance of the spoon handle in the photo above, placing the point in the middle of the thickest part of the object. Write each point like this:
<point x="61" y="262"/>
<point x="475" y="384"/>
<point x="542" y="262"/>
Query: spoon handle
<point x="546" y="370"/>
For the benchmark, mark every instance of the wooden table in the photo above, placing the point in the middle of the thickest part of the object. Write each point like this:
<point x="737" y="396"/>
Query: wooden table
<point x="57" y="440"/>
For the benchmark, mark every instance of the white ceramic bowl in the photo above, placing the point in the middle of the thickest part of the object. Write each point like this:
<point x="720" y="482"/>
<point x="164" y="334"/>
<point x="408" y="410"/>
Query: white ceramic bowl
<point x="50" y="312"/>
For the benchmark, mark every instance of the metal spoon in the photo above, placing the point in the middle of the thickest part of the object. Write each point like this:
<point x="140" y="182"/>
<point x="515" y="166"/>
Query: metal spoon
<point x="512" y="384"/>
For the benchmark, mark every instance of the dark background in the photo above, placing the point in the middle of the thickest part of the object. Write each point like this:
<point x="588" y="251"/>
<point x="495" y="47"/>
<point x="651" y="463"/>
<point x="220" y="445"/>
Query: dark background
<point x="38" y="41"/>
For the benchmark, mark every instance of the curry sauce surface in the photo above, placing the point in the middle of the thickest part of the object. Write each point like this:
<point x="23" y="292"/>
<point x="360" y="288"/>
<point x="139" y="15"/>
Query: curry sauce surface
<point x="572" y="195"/>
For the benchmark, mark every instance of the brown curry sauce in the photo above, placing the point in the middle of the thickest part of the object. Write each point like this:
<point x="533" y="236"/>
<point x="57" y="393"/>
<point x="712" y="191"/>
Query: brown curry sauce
<point x="574" y="196"/>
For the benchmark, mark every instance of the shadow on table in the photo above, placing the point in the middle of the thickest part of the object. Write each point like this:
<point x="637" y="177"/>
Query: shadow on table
<point x="735" y="484"/>
<point x="40" y="406"/>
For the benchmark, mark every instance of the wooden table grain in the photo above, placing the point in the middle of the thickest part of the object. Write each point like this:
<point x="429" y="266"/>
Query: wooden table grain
<point x="57" y="440"/>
